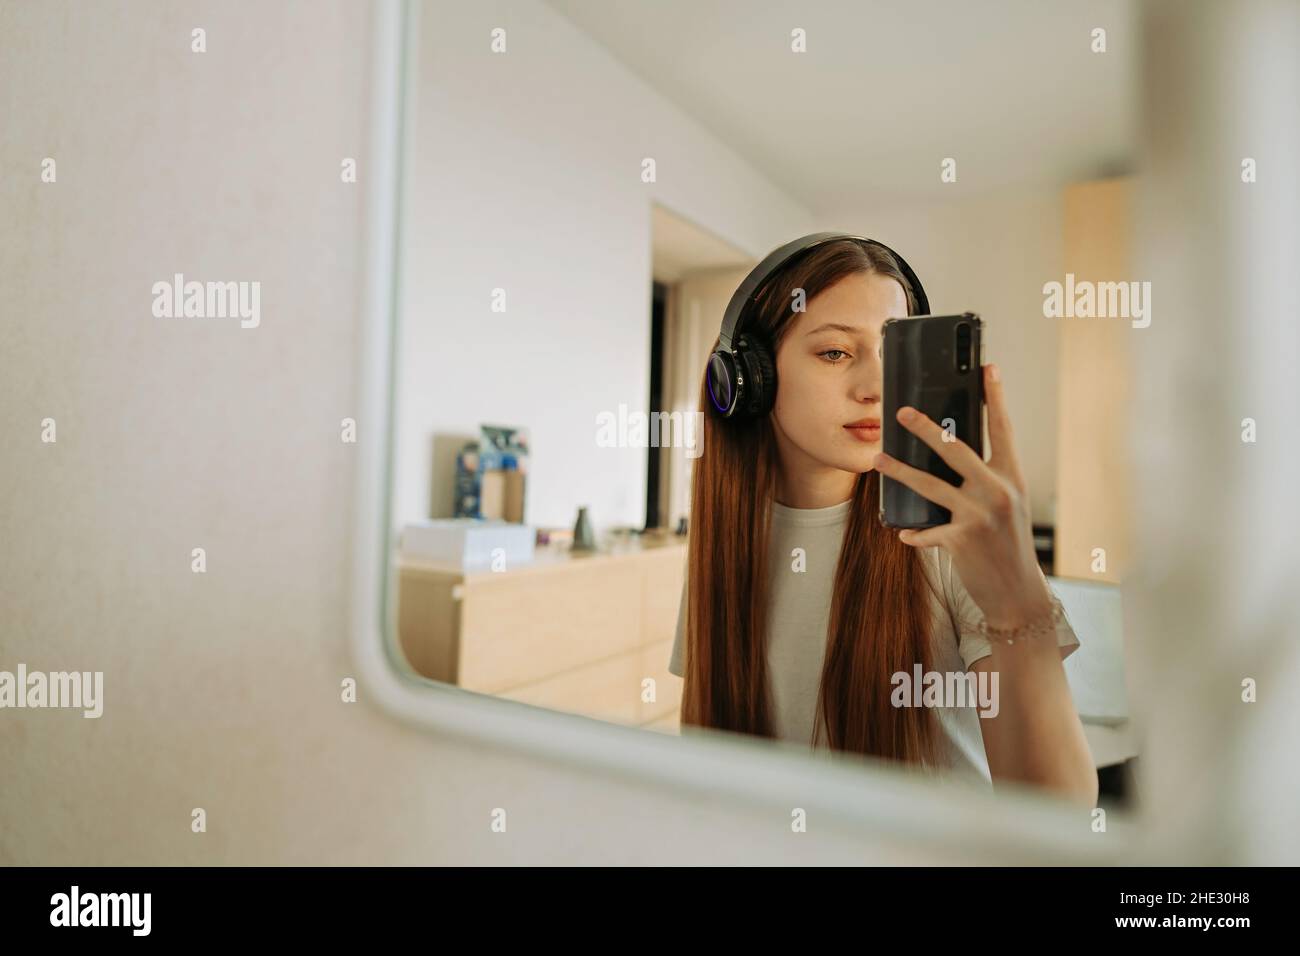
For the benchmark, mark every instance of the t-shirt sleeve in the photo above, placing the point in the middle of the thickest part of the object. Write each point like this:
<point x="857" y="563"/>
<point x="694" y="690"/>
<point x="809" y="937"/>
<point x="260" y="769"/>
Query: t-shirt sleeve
<point x="966" y="616"/>
<point x="676" y="661"/>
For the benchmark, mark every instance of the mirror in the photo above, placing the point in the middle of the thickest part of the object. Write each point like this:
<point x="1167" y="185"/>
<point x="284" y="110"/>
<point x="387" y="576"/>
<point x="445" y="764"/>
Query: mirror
<point x="585" y="187"/>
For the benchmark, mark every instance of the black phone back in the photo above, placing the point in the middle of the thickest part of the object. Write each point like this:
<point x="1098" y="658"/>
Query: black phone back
<point x="932" y="363"/>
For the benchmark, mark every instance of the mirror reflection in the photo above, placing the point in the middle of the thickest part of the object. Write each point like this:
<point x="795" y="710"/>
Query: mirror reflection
<point x="603" y="506"/>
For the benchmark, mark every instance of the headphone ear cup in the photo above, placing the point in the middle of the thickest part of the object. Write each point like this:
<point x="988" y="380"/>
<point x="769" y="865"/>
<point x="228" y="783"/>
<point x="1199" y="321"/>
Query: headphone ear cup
<point x="721" y="383"/>
<point x="760" y="378"/>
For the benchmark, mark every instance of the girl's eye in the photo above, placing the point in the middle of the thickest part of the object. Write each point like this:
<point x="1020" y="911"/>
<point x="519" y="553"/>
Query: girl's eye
<point x="833" y="356"/>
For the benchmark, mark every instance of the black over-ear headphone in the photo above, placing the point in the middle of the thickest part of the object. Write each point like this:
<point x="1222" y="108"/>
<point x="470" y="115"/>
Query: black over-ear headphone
<point x="742" y="370"/>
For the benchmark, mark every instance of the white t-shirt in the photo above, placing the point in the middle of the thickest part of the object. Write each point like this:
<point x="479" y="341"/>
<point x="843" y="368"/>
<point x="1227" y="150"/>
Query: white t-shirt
<point x="799" y="621"/>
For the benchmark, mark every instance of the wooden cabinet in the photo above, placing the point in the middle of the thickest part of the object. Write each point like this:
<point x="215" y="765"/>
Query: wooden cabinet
<point x="574" y="632"/>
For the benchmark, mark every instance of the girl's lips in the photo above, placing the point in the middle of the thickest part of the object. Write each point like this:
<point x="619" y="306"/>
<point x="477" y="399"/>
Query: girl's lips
<point x="866" y="433"/>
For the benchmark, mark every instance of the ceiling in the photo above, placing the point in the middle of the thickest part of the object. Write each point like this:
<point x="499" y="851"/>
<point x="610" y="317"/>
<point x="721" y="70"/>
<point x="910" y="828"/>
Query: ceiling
<point x="887" y="90"/>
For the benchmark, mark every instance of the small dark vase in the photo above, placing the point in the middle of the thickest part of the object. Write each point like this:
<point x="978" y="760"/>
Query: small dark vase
<point x="584" y="539"/>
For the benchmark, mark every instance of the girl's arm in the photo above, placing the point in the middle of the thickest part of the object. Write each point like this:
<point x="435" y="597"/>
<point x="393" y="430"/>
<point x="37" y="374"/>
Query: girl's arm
<point x="1037" y="736"/>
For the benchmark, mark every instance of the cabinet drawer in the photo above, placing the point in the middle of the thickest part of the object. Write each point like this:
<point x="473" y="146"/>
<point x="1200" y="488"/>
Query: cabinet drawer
<point x="664" y="574"/>
<point x="668" y="686"/>
<point x="428" y="629"/>
<point x="517" y="629"/>
<point x="606" y="690"/>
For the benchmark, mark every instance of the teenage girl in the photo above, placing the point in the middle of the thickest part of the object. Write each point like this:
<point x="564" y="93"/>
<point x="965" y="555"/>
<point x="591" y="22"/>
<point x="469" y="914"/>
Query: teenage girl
<point x="800" y="609"/>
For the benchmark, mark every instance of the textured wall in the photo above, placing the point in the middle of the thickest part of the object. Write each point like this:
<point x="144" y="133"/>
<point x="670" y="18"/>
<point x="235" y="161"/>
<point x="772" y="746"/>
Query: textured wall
<point x="221" y="689"/>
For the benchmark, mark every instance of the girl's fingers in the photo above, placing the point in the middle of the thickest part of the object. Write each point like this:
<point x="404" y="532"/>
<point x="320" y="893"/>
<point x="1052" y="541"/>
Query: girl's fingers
<point x="924" y="537"/>
<point x="924" y="484"/>
<point x="959" y="455"/>
<point x="1002" y="457"/>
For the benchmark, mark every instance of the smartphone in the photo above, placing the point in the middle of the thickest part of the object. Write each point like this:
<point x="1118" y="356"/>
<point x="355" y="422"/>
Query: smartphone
<point x="932" y="363"/>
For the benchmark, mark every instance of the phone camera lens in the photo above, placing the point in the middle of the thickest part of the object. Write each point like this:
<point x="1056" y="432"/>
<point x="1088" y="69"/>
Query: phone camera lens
<point x="963" y="350"/>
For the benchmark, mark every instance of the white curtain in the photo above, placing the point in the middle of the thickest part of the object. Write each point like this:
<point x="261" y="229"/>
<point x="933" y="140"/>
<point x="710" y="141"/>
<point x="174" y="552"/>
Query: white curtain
<point x="692" y="318"/>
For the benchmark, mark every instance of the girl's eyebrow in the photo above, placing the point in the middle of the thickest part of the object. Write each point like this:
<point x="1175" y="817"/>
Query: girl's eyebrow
<point x="836" y="327"/>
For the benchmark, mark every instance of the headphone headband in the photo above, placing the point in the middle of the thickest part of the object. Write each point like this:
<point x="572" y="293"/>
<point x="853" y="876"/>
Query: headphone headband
<point x="754" y="282"/>
<point x="741" y="376"/>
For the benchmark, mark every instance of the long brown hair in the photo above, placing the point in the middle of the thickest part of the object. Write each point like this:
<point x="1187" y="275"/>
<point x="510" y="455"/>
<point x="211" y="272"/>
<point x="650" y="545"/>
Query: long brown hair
<point x="879" y="620"/>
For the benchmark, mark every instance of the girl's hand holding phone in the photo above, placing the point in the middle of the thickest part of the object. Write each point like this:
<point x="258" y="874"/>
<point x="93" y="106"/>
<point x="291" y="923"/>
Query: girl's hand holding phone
<point x="990" y="536"/>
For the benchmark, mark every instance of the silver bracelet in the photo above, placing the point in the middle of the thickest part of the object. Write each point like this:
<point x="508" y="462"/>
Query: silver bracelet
<point x="1046" y="624"/>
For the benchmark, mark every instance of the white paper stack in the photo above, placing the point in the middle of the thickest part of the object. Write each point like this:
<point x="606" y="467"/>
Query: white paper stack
<point x="469" y="542"/>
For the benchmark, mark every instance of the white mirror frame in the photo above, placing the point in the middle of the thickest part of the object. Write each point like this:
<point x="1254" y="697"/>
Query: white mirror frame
<point x="1014" y="825"/>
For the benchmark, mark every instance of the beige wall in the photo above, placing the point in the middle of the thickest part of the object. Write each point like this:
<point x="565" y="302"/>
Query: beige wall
<point x="1095" y="367"/>
<point x="222" y="690"/>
